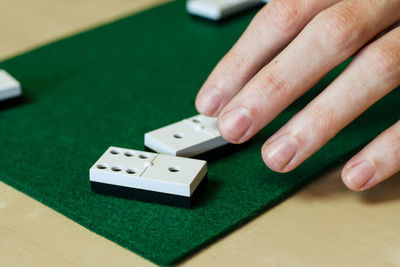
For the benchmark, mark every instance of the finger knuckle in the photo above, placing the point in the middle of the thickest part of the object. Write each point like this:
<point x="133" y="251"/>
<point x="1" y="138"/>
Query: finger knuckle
<point x="281" y="14"/>
<point x="338" y="28"/>
<point x="385" y="58"/>
<point x="394" y="141"/>
<point x="275" y="85"/>
<point x="323" y="121"/>
<point x="236" y="61"/>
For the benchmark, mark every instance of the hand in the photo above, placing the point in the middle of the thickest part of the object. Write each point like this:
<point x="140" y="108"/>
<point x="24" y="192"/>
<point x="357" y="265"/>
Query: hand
<point x="288" y="47"/>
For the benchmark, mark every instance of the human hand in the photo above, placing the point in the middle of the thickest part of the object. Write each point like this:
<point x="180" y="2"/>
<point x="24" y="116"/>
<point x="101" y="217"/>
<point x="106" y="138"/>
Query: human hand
<point x="287" y="48"/>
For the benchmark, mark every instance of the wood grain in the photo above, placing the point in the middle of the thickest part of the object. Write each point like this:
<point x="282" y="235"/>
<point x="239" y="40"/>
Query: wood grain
<point x="26" y="24"/>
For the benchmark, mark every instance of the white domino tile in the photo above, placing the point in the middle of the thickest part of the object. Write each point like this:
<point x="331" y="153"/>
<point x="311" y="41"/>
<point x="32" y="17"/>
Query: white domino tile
<point x="187" y="138"/>
<point x="9" y="86"/>
<point x="219" y="9"/>
<point x="148" y="171"/>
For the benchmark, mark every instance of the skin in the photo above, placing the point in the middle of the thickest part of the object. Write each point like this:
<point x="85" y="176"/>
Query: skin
<point x="287" y="48"/>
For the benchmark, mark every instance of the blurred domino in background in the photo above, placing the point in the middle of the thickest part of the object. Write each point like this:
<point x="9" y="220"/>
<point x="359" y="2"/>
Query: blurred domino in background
<point x="9" y="86"/>
<point x="219" y="9"/>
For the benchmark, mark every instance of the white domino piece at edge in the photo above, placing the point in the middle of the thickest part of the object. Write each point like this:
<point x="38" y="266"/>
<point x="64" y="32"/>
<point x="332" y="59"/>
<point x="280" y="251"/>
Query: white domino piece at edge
<point x="219" y="9"/>
<point x="9" y="87"/>
<point x="147" y="176"/>
<point x="186" y="138"/>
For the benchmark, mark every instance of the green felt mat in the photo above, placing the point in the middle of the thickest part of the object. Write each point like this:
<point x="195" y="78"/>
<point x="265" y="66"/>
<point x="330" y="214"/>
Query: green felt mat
<point x="109" y="86"/>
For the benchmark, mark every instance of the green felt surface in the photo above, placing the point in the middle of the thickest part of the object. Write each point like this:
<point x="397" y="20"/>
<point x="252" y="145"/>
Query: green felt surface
<point x="112" y="84"/>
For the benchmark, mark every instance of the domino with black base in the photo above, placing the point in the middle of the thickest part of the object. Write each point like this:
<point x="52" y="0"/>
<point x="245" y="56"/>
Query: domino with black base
<point x="148" y="176"/>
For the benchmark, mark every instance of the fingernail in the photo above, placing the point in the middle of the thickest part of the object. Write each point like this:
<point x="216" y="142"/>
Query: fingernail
<point x="235" y="123"/>
<point x="359" y="175"/>
<point x="281" y="151"/>
<point x="209" y="102"/>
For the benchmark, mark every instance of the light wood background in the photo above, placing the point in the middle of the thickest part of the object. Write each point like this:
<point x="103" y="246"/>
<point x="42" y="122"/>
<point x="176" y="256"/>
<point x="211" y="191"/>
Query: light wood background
<point x="322" y="225"/>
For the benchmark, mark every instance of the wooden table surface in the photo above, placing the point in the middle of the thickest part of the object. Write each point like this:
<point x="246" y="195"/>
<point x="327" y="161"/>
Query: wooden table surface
<point x="322" y="225"/>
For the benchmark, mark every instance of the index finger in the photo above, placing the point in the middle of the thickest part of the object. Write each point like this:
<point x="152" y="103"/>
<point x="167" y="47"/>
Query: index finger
<point x="273" y="27"/>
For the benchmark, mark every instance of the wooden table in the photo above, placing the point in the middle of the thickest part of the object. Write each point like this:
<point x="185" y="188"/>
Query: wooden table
<point x="322" y="225"/>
